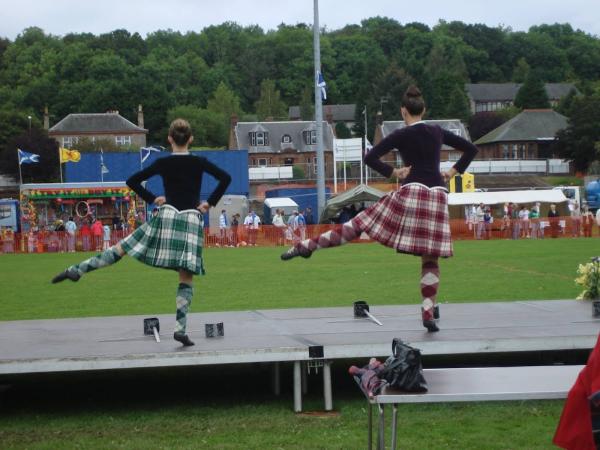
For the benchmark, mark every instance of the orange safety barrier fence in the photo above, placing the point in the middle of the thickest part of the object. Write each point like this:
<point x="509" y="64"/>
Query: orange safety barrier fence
<point x="269" y="235"/>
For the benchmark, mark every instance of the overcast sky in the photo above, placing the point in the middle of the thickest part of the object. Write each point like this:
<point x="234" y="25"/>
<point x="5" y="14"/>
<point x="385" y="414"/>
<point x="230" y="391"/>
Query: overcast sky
<point x="59" y="17"/>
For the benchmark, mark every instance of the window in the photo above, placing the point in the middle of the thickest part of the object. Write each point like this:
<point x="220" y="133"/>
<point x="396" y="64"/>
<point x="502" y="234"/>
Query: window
<point x="70" y="141"/>
<point x="288" y="161"/>
<point x="286" y="139"/>
<point x="5" y="211"/>
<point x="123" y="140"/>
<point x="315" y="165"/>
<point x="310" y="137"/>
<point x="259" y="138"/>
<point x="262" y="162"/>
<point x="505" y="151"/>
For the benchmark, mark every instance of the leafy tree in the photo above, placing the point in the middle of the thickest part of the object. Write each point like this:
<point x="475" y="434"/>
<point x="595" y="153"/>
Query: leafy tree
<point x="565" y="104"/>
<point x="307" y="109"/>
<point x="208" y="126"/>
<point x="508" y="113"/>
<point x="342" y="131"/>
<point x="298" y="173"/>
<point x="357" y="58"/>
<point x="221" y="106"/>
<point x="579" y="142"/>
<point x="532" y="94"/>
<point x="270" y="104"/>
<point x="387" y="33"/>
<point x="484" y="53"/>
<point x="12" y="123"/>
<point x="541" y="52"/>
<point x="34" y="141"/>
<point x="482" y="123"/>
<point x="224" y="101"/>
<point x="362" y="64"/>
<point x="521" y="71"/>
<point x="458" y="103"/>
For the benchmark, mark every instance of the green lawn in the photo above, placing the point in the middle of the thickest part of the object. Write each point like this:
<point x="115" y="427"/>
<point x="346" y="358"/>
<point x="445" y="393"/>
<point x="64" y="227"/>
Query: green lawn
<point x="255" y="278"/>
<point x="116" y="413"/>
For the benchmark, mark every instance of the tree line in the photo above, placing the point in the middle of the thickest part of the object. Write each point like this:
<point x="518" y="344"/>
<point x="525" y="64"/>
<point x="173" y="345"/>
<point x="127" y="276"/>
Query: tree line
<point x="228" y="69"/>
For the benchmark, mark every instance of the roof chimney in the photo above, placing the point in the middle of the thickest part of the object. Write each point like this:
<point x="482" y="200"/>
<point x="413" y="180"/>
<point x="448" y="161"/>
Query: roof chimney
<point x="140" y="117"/>
<point x="46" y="118"/>
<point x="233" y="143"/>
<point x="329" y="115"/>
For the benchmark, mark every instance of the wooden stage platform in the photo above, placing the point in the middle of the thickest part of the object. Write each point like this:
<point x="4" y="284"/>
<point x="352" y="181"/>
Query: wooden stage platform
<point x="318" y="335"/>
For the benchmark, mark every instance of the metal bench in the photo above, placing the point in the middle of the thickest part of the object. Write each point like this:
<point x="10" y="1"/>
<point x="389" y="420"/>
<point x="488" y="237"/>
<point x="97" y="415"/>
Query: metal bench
<point x="475" y="385"/>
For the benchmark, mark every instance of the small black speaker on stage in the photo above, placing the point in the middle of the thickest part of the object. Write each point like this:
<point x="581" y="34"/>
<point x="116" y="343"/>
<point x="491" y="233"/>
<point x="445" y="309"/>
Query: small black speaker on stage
<point x="360" y="307"/>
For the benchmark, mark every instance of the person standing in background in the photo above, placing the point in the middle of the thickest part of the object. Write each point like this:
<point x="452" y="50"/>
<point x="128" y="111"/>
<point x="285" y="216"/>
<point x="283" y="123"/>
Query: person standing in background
<point x="105" y="237"/>
<point x="553" y="217"/>
<point x="70" y="228"/>
<point x="223" y="229"/>
<point x="97" y="233"/>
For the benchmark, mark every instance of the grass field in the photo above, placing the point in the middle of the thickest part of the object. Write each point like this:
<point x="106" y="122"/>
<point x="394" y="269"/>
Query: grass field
<point x="255" y="278"/>
<point x="187" y="409"/>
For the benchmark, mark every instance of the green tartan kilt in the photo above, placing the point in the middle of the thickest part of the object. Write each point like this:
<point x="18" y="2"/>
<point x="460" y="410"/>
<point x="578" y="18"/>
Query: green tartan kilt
<point x="171" y="240"/>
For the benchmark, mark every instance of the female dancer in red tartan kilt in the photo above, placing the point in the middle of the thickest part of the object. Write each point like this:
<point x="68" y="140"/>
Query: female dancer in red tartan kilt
<point x="413" y="219"/>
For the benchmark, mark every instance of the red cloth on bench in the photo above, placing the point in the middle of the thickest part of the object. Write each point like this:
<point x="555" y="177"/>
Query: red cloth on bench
<point x="574" y="430"/>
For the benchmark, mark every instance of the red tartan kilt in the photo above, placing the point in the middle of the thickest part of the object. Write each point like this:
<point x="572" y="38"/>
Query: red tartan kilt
<point x="412" y="220"/>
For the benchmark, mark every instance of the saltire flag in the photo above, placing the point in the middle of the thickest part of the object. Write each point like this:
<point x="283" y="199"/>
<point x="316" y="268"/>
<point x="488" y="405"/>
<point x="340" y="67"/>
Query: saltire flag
<point x="321" y="83"/>
<point x="145" y="152"/>
<point x="103" y="167"/>
<point x="67" y="155"/>
<point x="27" y="158"/>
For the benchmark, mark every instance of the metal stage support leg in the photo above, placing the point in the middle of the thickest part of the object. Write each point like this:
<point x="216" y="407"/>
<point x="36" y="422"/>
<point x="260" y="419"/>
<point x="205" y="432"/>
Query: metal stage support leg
<point x="276" y="379"/>
<point x="297" y="386"/>
<point x="394" y="425"/>
<point x="381" y="431"/>
<point x="304" y="378"/>
<point x="370" y="425"/>
<point x="327" y="385"/>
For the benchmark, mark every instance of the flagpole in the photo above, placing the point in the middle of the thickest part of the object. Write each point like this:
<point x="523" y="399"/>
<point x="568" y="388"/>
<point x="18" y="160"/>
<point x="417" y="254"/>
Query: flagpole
<point x="20" y="174"/>
<point x="365" y="148"/>
<point x="318" y="114"/>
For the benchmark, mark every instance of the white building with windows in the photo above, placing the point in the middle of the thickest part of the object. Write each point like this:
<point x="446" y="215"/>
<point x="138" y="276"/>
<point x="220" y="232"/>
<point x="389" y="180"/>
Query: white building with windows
<point x="99" y="126"/>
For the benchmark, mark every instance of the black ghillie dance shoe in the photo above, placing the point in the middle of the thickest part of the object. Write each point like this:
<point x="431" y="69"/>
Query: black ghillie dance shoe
<point x="428" y="320"/>
<point x="66" y="274"/>
<point x="294" y="251"/>
<point x="183" y="338"/>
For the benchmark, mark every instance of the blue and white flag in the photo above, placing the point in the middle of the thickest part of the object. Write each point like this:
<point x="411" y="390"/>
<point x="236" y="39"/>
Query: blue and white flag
<point x="27" y="158"/>
<point x="145" y="152"/>
<point x="321" y="83"/>
<point x="103" y="168"/>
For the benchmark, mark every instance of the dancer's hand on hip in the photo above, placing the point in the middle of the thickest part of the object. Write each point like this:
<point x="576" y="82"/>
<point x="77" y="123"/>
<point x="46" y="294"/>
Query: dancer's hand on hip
<point x="204" y="207"/>
<point x="448" y="174"/>
<point x="160" y="200"/>
<point x="401" y="173"/>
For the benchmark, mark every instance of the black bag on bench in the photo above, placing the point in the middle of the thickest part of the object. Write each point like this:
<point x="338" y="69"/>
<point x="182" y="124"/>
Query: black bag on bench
<point x="403" y="370"/>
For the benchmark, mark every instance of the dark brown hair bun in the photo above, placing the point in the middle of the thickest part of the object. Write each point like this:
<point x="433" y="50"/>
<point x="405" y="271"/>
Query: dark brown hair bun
<point x="180" y="131"/>
<point x="413" y="101"/>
